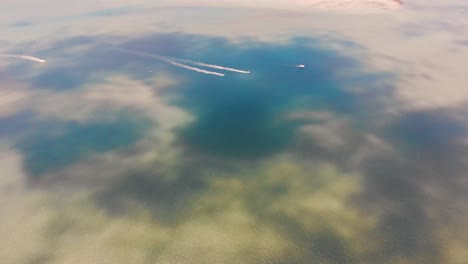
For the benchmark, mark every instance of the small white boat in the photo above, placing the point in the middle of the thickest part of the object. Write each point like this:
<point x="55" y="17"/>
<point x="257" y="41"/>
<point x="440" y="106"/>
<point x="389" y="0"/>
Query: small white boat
<point x="300" y="66"/>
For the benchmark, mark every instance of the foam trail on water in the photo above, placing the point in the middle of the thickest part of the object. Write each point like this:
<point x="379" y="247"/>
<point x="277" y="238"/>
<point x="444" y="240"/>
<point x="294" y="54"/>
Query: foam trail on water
<point x="214" y="66"/>
<point x="193" y="68"/>
<point x="25" y="57"/>
<point x="172" y="62"/>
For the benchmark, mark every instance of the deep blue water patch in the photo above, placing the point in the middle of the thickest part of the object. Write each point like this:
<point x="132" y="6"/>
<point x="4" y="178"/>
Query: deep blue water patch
<point x="239" y="125"/>
<point x="62" y="143"/>
<point x="240" y="115"/>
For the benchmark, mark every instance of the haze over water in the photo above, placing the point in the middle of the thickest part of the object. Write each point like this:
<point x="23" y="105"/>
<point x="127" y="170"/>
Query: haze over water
<point x="110" y="153"/>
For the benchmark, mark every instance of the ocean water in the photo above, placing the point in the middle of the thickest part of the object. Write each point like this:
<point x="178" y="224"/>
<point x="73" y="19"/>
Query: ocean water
<point x="239" y="115"/>
<point x="131" y="158"/>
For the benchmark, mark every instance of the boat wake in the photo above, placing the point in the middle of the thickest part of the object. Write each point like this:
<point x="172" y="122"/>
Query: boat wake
<point x="24" y="57"/>
<point x="193" y="68"/>
<point x="213" y="66"/>
<point x="170" y="61"/>
<point x="180" y="63"/>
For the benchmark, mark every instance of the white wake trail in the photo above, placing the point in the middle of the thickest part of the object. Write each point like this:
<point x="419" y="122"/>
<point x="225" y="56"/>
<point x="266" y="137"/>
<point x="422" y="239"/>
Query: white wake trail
<point x="25" y="57"/>
<point x="213" y="66"/>
<point x="172" y="62"/>
<point x="193" y="68"/>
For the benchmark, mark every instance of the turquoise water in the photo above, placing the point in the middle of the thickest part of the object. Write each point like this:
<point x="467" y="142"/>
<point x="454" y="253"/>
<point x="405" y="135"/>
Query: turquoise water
<point x="240" y="115"/>
<point x="244" y="116"/>
<point x="57" y="145"/>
